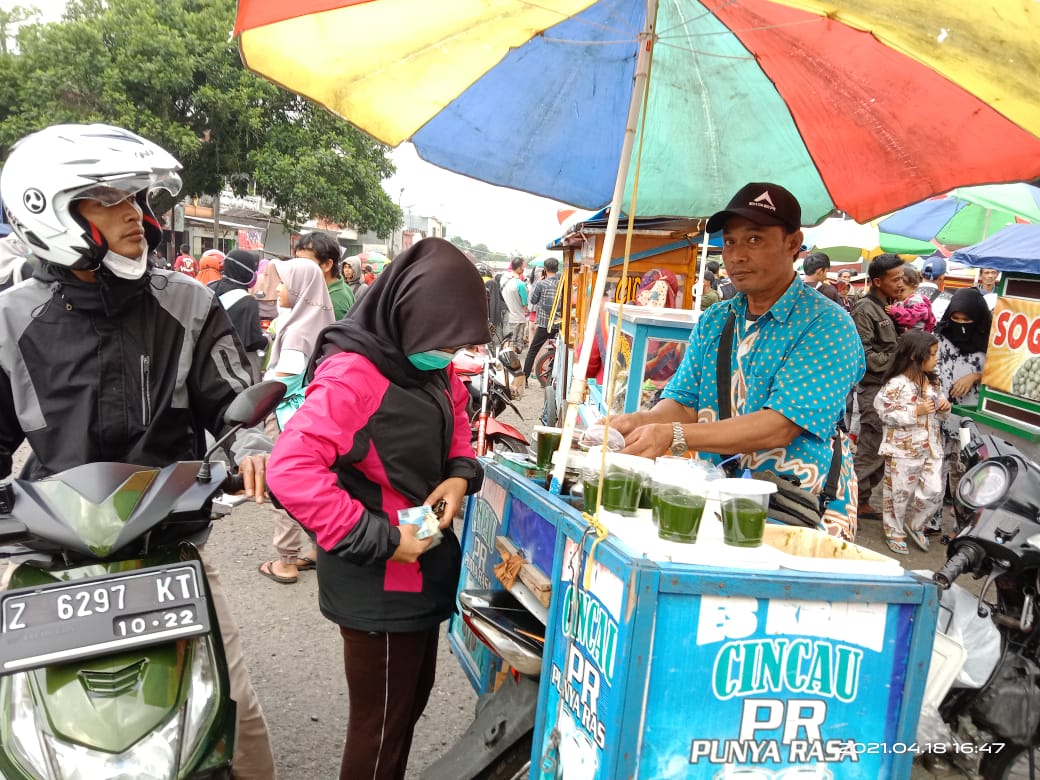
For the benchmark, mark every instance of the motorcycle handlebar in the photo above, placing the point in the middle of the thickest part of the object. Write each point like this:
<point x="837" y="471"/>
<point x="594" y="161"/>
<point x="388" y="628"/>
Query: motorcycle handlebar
<point x="965" y="559"/>
<point x="234" y="483"/>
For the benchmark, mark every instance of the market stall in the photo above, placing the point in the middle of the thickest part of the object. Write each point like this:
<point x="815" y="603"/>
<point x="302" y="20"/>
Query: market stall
<point x="666" y="660"/>
<point x="666" y="244"/>
<point x="1009" y="395"/>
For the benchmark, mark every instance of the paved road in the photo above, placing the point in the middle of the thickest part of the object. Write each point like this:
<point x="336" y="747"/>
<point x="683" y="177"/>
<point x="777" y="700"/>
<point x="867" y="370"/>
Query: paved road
<point x="294" y="653"/>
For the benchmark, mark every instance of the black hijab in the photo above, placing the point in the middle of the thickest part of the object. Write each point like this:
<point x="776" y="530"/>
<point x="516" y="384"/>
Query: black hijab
<point x="239" y="271"/>
<point x="967" y="338"/>
<point x="430" y="297"/>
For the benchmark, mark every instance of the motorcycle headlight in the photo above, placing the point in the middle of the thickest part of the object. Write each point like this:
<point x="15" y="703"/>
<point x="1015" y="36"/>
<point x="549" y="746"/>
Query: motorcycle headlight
<point x="984" y="484"/>
<point x="201" y="707"/>
<point x="156" y="757"/>
<point x="22" y="735"/>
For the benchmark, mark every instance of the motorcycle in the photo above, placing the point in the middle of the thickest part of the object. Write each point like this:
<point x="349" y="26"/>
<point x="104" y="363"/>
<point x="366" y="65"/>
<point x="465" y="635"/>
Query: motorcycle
<point x="996" y="728"/>
<point x="497" y="744"/>
<point x="489" y="398"/>
<point x="111" y="659"/>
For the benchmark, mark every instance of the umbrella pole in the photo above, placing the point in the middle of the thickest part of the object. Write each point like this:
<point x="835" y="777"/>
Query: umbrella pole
<point x="576" y="387"/>
<point x="699" y="291"/>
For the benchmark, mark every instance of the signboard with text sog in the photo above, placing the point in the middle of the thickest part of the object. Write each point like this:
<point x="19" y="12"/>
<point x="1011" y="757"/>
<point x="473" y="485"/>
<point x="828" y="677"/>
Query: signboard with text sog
<point x="1013" y="356"/>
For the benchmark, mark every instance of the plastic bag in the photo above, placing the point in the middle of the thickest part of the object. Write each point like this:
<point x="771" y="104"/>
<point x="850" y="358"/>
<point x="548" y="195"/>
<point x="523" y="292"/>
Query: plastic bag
<point x="979" y="637"/>
<point x="593" y="437"/>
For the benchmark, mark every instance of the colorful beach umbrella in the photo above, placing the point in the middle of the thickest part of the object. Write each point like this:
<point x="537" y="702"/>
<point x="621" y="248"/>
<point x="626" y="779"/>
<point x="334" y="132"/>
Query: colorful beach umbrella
<point x="835" y="100"/>
<point x="965" y="216"/>
<point x="843" y="240"/>
<point x="838" y="101"/>
<point x="1016" y="248"/>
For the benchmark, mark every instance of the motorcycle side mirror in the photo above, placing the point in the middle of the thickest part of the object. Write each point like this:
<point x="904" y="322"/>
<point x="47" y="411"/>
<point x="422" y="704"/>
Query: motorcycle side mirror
<point x="250" y="407"/>
<point x="254" y="403"/>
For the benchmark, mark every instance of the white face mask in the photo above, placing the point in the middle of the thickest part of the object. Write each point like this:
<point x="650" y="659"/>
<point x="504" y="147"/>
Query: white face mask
<point x="125" y="267"/>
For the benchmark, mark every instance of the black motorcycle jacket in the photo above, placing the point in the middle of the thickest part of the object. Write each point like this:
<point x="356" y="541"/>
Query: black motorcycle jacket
<point x="130" y="371"/>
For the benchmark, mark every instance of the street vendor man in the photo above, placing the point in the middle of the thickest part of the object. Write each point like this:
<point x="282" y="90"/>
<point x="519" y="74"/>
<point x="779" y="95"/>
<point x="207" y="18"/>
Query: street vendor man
<point x="793" y="357"/>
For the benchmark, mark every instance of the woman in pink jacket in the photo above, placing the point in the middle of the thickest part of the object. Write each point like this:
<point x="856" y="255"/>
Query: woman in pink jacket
<point x="384" y="428"/>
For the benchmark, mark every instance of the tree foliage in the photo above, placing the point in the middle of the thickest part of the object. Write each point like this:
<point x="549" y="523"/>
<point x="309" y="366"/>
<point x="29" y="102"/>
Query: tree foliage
<point x="481" y="252"/>
<point x="170" y="72"/>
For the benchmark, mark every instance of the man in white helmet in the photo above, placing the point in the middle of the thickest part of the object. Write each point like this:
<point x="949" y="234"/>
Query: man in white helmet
<point x="103" y="358"/>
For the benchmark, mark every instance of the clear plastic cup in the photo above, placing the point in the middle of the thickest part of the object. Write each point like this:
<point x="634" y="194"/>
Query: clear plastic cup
<point x="744" y="505"/>
<point x="622" y="482"/>
<point x="547" y="441"/>
<point x="679" y="494"/>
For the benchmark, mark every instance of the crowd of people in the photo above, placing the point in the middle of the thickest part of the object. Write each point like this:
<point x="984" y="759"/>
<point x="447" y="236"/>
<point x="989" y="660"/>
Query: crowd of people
<point x="111" y="357"/>
<point x="373" y="421"/>
<point x="525" y="306"/>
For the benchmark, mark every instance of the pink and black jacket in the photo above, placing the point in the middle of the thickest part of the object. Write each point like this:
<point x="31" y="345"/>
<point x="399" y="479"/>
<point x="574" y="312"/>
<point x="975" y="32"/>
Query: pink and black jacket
<point x="359" y="449"/>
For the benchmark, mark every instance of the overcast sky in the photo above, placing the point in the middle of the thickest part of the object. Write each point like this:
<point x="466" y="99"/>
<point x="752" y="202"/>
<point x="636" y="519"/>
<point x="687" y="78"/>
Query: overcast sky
<point x="506" y="220"/>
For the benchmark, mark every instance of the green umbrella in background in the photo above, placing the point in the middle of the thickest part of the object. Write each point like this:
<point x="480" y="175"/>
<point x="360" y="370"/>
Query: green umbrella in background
<point x="962" y="217"/>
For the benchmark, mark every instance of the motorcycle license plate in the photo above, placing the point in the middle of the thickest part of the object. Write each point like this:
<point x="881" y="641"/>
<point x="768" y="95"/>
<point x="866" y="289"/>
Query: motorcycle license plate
<point x="67" y="621"/>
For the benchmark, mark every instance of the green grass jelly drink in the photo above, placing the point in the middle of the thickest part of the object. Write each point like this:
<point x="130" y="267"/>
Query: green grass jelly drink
<point x="744" y="505"/>
<point x="622" y="481"/>
<point x="680" y="493"/>
<point x="547" y="441"/>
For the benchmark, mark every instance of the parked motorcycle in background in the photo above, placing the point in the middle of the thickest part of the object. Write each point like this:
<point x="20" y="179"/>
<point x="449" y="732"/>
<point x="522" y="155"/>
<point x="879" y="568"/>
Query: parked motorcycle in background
<point x="993" y="730"/>
<point x="486" y="380"/>
<point x="111" y="659"/>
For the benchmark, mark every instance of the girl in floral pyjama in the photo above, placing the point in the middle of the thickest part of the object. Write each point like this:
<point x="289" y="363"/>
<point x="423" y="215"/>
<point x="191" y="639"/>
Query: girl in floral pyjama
<point x="908" y="404"/>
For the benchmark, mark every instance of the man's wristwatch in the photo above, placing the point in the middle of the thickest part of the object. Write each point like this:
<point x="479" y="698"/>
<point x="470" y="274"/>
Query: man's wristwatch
<point x="678" y="440"/>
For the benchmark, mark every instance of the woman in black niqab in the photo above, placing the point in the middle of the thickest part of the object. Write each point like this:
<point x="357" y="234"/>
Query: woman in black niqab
<point x="969" y="330"/>
<point x="963" y="335"/>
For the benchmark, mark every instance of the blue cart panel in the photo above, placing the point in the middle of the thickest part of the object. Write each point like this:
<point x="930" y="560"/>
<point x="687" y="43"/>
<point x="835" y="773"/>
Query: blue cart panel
<point x="660" y="670"/>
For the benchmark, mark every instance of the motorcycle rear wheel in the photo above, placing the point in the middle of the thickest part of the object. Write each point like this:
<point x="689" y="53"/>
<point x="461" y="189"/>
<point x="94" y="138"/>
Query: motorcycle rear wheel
<point x="499" y="443"/>
<point x="543" y="366"/>
<point x="1012" y="763"/>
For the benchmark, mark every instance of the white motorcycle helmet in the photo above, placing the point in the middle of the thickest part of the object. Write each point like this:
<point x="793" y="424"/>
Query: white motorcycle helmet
<point x="48" y="170"/>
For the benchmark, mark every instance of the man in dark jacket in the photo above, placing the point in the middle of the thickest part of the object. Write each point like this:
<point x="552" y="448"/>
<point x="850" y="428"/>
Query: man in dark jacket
<point x="105" y="359"/>
<point x="238" y="274"/>
<point x="878" y="333"/>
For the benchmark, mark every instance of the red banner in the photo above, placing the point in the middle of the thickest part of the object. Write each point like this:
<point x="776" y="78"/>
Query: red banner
<point x="251" y="239"/>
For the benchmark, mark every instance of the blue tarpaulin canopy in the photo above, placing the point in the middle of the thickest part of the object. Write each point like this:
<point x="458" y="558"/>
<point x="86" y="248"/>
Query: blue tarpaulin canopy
<point x="1015" y="248"/>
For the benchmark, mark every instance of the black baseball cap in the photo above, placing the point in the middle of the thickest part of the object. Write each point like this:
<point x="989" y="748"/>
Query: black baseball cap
<point x="763" y="203"/>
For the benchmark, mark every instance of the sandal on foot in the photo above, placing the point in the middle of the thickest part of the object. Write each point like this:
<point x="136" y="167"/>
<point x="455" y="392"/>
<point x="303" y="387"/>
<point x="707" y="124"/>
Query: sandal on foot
<point x="920" y="540"/>
<point x="267" y="569"/>
<point x="867" y="512"/>
<point x="305" y="563"/>
<point x="898" y="546"/>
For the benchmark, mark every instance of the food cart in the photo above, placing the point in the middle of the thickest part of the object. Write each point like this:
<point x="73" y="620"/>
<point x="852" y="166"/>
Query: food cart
<point x="667" y="243"/>
<point x="664" y="660"/>
<point x="807" y="657"/>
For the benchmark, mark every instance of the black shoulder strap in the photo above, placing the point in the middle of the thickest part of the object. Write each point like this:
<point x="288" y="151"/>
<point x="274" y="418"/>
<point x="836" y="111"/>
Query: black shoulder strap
<point x="830" y="488"/>
<point x="723" y="371"/>
<point x="724" y="368"/>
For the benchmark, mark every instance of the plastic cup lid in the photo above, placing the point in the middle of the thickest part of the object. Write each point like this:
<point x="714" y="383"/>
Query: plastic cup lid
<point x="744" y="487"/>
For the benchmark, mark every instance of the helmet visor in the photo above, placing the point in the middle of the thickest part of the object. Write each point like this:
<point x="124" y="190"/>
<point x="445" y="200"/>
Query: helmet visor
<point x="113" y="192"/>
